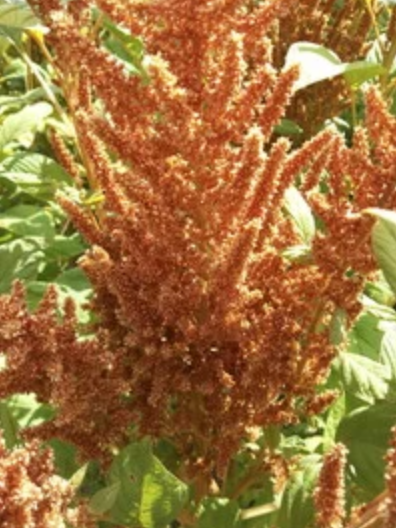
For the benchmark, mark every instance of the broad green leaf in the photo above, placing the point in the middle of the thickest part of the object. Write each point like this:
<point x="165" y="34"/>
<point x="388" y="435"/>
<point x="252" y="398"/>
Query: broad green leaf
<point x="25" y="121"/>
<point x="356" y="73"/>
<point x="28" y="221"/>
<point x="361" y="376"/>
<point x="65" y="455"/>
<point x="288" y="128"/>
<point x="335" y="414"/>
<point x="77" y="479"/>
<point x="16" y="101"/>
<point x="366" y="433"/>
<point x="37" y="164"/>
<point x="380" y="294"/>
<point x="388" y="351"/>
<point x="104" y="499"/>
<point x="8" y="425"/>
<point x="296" y="510"/>
<point x="317" y="63"/>
<point x="301" y="214"/>
<point x="301" y="253"/>
<point x="126" y="47"/>
<point x="384" y="243"/>
<point x="149" y="493"/>
<point x="35" y="174"/>
<point x="338" y="326"/>
<point x="74" y="279"/>
<point x="365" y="337"/>
<point x="27" y="411"/>
<point x="17" y="15"/>
<point x="65" y="247"/>
<point x="219" y="513"/>
<point x="20" y="259"/>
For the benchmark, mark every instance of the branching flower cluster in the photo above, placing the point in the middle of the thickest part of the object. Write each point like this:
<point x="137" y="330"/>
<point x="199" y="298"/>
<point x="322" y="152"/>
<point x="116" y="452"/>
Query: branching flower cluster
<point x="207" y="327"/>
<point x="31" y="495"/>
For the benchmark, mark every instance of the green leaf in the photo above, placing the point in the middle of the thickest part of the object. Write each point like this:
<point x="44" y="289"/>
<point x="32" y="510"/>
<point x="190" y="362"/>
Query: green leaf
<point x="366" y="336"/>
<point x="297" y="509"/>
<point x="317" y="63"/>
<point x="127" y="48"/>
<point x="104" y="499"/>
<point x="20" y="259"/>
<point x="388" y="351"/>
<point x="335" y="414"/>
<point x="77" y="479"/>
<point x="301" y="214"/>
<point x="338" y="325"/>
<point x="219" y="513"/>
<point x="149" y="493"/>
<point x="361" y="376"/>
<point x="25" y="121"/>
<point x="366" y="433"/>
<point x="288" y="128"/>
<point x="17" y="15"/>
<point x="35" y="174"/>
<point x="28" y="221"/>
<point x="27" y="411"/>
<point x="9" y="425"/>
<point x="16" y="101"/>
<point x="65" y="247"/>
<point x="384" y="243"/>
<point x="356" y="73"/>
<point x="65" y="455"/>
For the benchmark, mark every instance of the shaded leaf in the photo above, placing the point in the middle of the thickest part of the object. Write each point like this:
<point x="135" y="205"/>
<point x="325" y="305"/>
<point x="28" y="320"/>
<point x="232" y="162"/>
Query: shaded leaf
<point x="219" y="513"/>
<point x="19" y="259"/>
<point x="366" y="433"/>
<point x="149" y="493"/>
<point x="104" y="499"/>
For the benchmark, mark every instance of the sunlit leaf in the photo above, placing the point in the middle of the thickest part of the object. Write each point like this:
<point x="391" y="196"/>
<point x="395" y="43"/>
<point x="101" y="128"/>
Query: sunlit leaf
<point x="335" y="414"/>
<point x="318" y="63"/>
<point x="363" y="377"/>
<point x="296" y="509"/>
<point x="301" y="214"/>
<point x="17" y="15"/>
<point x="26" y="120"/>
<point x="384" y="243"/>
<point x="388" y="350"/>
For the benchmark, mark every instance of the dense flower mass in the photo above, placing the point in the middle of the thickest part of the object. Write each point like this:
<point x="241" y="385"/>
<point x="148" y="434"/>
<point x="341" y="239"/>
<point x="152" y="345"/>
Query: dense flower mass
<point x="31" y="495"/>
<point x="329" y="495"/>
<point x="214" y="306"/>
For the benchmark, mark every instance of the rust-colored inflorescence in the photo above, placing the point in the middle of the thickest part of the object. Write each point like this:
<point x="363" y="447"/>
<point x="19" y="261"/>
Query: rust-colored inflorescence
<point x="390" y="504"/>
<point x="206" y="327"/>
<point x="31" y="495"/>
<point x="329" y="496"/>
